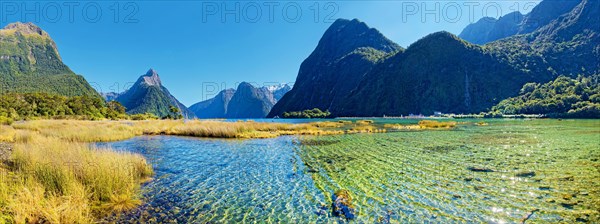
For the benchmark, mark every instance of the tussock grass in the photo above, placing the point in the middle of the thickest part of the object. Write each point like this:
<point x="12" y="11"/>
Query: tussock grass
<point x="7" y="133"/>
<point x="437" y="124"/>
<point x="58" y="179"/>
<point x="364" y="122"/>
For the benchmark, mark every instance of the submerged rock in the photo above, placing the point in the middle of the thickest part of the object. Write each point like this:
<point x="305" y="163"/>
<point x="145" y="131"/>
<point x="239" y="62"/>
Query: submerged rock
<point x="342" y="204"/>
<point x="480" y="169"/>
<point x="526" y="174"/>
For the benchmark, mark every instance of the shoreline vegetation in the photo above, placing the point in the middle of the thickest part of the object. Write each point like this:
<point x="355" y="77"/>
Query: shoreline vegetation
<point x="50" y="171"/>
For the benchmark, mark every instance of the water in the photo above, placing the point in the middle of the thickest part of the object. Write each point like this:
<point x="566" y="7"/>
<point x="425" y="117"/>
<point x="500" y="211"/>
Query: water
<point x="545" y="169"/>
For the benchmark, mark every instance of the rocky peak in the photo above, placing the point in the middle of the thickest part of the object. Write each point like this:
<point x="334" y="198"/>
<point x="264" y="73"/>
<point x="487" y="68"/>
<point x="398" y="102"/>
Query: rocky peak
<point x="344" y="36"/>
<point x="26" y="28"/>
<point x="151" y="78"/>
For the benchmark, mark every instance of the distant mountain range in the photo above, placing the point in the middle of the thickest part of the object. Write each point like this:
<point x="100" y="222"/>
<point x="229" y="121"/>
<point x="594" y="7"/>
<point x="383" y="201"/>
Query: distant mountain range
<point x="148" y="95"/>
<point x="29" y="62"/>
<point x="247" y="101"/>
<point x="490" y="29"/>
<point x="441" y="72"/>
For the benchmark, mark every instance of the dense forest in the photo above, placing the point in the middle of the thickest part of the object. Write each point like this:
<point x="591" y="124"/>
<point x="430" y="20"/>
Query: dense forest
<point x="564" y="97"/>
<point x="16" y="106"/>
<point x="314" y="113"/>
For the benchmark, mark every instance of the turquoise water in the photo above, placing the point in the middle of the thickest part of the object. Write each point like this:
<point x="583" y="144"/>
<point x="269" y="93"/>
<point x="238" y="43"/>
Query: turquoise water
<point x="207" y="180"/>
<point x="543" y="170"/>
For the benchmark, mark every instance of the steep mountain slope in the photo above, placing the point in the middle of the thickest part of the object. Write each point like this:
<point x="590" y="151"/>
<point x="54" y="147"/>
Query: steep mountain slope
<point x="148" y="95"/>
<point x="487" y="30"/>
<point x="29" y="62"/>
<point x="568" y="45"/>
<point x="437" y="73"/>
<point x="478" y="32"/>
<point x="345" y="53"/>
<point x="215" y="107"/>
<point x="250" y="102"/>
<point x="279" y="90"/>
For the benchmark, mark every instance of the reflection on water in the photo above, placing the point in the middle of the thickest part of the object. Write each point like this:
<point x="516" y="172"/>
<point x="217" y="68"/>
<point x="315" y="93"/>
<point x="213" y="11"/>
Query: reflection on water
<point x="507" y="172"/>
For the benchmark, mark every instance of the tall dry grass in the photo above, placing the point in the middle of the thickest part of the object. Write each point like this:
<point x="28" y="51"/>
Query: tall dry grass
<point x="56" y="179"/>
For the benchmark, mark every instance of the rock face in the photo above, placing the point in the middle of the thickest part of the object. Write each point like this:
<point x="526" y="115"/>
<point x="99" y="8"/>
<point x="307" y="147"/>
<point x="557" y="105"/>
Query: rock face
<point x="344" y="55"/>
<point x="148" y="95"/>
<point x="245" y="102"/>
<point x="215" y="107"/>
<point x="250" y="102"/>
<point x="487" y="30"/>
<point x="30" y="62"/>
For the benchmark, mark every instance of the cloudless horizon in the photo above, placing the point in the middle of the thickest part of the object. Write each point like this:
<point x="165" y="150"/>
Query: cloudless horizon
<point x="196" y="53"/>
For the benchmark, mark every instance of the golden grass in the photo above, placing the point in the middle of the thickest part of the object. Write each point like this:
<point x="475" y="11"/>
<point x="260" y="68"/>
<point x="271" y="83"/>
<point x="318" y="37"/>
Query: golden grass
<point x="57" y="179"/>
<point x="437" y="124"/>
<point x="7" y="133"/>
<point x="364" y="122"/>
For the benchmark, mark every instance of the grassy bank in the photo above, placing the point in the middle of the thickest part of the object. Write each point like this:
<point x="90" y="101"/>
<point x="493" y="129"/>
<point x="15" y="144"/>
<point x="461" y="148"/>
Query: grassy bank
<point x="52" y="179"/>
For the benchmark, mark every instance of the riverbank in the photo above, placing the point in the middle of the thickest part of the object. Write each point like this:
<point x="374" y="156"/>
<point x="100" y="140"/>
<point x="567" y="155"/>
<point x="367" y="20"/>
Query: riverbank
<point x="51" y="179"/>
<point x="52" y="173"/>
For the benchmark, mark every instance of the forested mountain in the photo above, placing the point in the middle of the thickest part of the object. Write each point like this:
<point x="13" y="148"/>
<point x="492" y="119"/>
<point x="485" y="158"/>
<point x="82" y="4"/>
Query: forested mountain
<point x="344" y="55"/>
<point x="437" y="73"/>
<point x="568" y="45"/>
<point x="30" y="63"/>
<point x="245" y="102"/>
<point x="490" y="29"/>
<point x="148" y="95"/>
<point x="443" y="73"/>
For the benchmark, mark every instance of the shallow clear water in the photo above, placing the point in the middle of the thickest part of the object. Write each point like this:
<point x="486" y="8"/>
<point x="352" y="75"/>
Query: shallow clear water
<point x="545" y="169"/>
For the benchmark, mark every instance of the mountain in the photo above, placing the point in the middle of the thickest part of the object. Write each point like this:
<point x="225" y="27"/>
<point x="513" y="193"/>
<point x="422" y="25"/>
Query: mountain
<point x="487" y="30"/>
<point x="30" y="62"/>
<point x="441" y="73"/>
<point x="215" y="107"/>
<point x="568" y="45"/>
<point x="348" y="50"/>
<point x="148" y="95"/>
<point x="250" y="102"/>
<point x="110" y="96"/>
<point x="478" y="32"/>
<point x="245" y="102"/>
<point x="279" y="90"/>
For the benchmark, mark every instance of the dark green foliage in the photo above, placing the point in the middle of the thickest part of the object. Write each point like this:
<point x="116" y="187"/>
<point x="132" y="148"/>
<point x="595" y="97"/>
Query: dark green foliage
<point x="314" y="113"/>
<point x="18" y="106"/>
<point x="29" y="63"/>
<point x="563" y="97"/>
<point x="437" y="73"/>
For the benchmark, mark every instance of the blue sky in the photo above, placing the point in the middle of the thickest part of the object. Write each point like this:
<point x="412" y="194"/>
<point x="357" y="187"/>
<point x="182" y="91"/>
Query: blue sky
<point x="200" y="47"/>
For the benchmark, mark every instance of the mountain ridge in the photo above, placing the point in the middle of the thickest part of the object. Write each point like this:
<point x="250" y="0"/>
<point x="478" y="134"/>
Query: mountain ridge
<point x="148" y="95"/>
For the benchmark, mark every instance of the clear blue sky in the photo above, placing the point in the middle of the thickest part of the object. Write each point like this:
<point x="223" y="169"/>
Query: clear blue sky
<point x="195" y="51"/>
